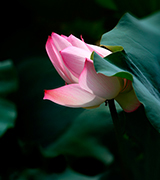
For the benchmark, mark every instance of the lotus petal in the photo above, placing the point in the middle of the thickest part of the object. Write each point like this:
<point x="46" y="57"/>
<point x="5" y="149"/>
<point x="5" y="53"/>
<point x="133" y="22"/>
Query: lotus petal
<point x="56" y="60"/>
<point x="99" y="50"/>
<point x="99" y="84"/>
<point x="73" y="96"/>
<point x="77" y="42"/>
<point x="74" y="59"/>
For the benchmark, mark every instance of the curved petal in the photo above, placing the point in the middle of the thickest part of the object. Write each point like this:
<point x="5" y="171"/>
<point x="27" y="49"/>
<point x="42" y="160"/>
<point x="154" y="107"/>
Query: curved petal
<point x="60" y="42"/>
<point x="56" y="60"/>
<point x="128" y="101"/>
<point x="99" y="84"/>
<point x="55" y="44"/>
<point x="77" y="42"/>
<point x="99" y="50"/>
<point x="64" y="36"/>
<point x="74" y="59"/>
<point x="127" y="98"/>
<point x="73" y="96"/>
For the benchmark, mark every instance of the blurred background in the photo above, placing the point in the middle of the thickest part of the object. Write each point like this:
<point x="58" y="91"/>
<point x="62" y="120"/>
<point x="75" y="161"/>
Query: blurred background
<point x="40" y="140"/>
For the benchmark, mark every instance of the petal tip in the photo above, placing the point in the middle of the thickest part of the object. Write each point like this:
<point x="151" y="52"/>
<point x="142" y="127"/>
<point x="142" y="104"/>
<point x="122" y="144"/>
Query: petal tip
<point x="54" y="35"/>
<point x="132" y="110"/>
<point x="71" y="35"/>
<point x="81" y="38"/>
<point x="45" y="94"/>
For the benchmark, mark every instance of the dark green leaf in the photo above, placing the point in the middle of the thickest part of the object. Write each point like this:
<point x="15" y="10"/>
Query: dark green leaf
<point x="67" y="175"/>
<point x="140" y="59"/>
<point x="8" y="115"/>
<point x="110" y="4"/>
<point x="8" y="84"/>
<point x="83" y="136"/>
<point x="133" y="6"/>
<point x="8" y="78"/>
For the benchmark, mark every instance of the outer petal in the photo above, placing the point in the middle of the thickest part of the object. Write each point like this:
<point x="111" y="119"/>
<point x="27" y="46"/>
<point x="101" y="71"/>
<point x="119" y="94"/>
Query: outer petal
<point x="56" y="60"/>
<point x="99" y="50"/>
<point x="74" y="59"/>
<point x="77" y="42"/>
<point x="128" y="99"/>
<point x="55" y="44"/>
<point x="73" y="96"/>
<point x="99" y="84"/>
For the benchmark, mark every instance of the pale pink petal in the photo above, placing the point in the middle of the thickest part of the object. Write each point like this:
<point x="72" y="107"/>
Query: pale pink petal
<point x="128" y="101"/>
<point x="56" y="60"/>
<point x="58" y="43"/>
<point x="77" y="42"/>
<point x="99" y="50"/>
<point x="99" y="84"/>
<point x="64" y="36"/>
<point x="73" y="96"/>
<point x="127" y="98"/>
<point x="74" y="59"/>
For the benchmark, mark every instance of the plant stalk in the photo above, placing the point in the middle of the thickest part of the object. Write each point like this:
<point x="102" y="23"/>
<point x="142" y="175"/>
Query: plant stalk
<point x="119" y="137"/>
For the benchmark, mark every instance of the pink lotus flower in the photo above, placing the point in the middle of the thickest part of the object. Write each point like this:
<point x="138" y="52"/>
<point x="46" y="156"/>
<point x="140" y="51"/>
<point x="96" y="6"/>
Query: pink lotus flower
<point x="84" y="87"/>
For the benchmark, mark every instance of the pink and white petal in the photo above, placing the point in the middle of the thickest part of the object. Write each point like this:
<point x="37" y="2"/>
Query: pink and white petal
<point x="73" y="96"/>
<point x="77" y="42"/>
<point x="74" y="59"/>
<point x="60" y="42"/>
<point x="128" y="101"/>
<point x="72" y="77"/>
<point x="56" y="60"/>
<point x="64" y="36"/>
<point x="99" y="84"/>
<point x="99" y="50"/>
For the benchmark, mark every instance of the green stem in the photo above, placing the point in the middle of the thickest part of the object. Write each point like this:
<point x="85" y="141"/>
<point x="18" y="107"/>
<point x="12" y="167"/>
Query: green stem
<point x="119" y="137"/>
<point x="114" y="115"/>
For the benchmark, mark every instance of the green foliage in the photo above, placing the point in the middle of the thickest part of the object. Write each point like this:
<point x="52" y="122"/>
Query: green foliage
<point x="140" y="59"/>
<point x="8" y="115"/>
<point x="107" y="4"/>
<point x="83" y="136"/>
<point x="132" y="6"/>
<point x="139" y="62"/>
<point x="67" y="175"/>
<point x="141" y="148"/>
<point x="8" y="84"/>
<point x="8" y="78"/>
